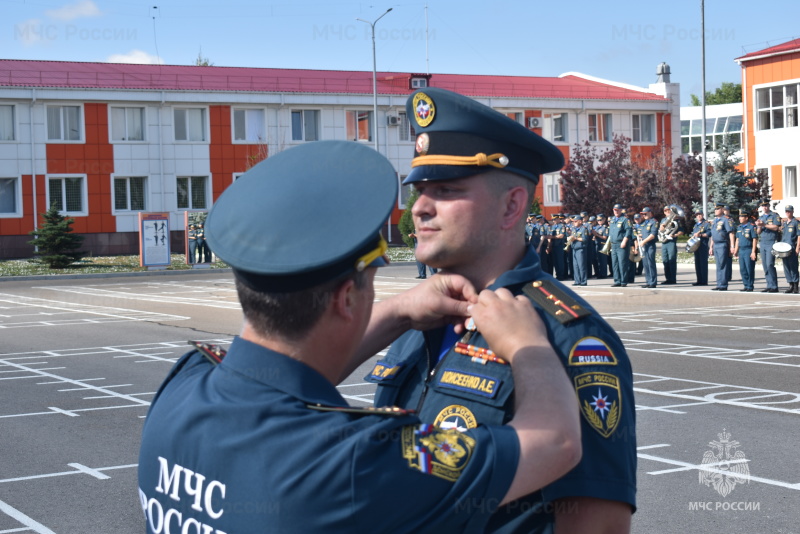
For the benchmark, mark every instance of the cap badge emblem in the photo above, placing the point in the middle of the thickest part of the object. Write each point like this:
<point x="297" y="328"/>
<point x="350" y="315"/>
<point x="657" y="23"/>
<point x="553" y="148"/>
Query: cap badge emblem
<point x="423" y="144"/>
<point x="424" y="109"/>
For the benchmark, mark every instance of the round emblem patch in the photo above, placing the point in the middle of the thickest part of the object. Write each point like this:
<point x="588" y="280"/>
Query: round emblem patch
<point x="424" y="109"/>
<point x="456" y="417"/>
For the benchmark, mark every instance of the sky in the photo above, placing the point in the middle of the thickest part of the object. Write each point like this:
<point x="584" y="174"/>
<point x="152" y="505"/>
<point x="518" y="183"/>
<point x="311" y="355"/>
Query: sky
<point x="623" y="40"/>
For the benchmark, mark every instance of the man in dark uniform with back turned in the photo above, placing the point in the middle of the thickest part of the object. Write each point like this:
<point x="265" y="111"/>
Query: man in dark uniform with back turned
<point x="476" y="171"/>
<point x="259" y="440"/>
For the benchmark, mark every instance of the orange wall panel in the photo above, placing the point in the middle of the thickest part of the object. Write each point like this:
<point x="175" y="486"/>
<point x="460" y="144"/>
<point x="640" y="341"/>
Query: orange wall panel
<point x="776" y="172"/>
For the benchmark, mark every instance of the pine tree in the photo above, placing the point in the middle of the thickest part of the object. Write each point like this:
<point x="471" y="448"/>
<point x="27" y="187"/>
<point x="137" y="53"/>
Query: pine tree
<point x="56" y="243"/>
<point x="727" y="185"/>
<point x="406" y="223"/>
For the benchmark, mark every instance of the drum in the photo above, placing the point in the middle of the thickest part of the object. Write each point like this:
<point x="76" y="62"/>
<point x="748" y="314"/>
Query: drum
<point x="782" y="250"/>
<point x="693" y="244"/>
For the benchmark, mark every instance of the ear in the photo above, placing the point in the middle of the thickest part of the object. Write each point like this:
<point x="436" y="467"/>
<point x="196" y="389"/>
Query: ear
<point x="516" y="207"/>
<point x="344" y="300"/>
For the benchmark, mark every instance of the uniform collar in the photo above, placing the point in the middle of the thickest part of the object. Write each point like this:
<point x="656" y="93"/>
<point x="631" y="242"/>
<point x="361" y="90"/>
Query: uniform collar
<point x="280" y="372"/>
<point x="526" y="270"/>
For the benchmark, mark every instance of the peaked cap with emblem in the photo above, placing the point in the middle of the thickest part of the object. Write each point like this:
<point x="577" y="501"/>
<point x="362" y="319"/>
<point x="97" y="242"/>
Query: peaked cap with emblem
<point x="266" y="225"/>
<point x="459" y="137"/>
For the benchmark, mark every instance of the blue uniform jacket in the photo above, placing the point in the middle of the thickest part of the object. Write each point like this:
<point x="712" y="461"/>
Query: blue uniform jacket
<point x="235" y="448"/>
<point x="460" y="392"/>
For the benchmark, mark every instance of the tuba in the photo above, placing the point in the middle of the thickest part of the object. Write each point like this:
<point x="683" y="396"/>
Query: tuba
<point x="671" y="225"/>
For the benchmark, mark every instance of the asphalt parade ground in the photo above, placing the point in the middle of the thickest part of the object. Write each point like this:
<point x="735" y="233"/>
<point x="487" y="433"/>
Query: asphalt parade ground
<point x="716" y="375"/>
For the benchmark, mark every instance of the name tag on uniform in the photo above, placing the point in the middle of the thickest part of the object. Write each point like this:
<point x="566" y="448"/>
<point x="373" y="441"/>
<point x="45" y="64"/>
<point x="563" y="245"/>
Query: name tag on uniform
<point x="480" y="385"/>
<point x="382" y="372"/>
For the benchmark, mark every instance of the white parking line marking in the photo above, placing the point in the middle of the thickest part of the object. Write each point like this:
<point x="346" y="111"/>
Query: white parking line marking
<point x="24" y="519"/>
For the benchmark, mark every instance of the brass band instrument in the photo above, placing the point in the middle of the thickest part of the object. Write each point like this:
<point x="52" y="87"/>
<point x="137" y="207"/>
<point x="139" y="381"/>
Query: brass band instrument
<point x="671" y="225"/>
<point x="781" y="250"/>
<point x="635" y="255"/>
<point x="570" y="239"/>
<point x="606" y="247"/>
<point x="693" y="244"/>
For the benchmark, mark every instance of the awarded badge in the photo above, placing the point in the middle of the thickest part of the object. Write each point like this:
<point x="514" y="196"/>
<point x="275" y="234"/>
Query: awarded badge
<point x="456" y="417"/>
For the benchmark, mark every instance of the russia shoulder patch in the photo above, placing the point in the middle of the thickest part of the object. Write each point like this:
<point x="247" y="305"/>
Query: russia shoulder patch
<point x="591" y="351"/>
<point x="436" y="451"/>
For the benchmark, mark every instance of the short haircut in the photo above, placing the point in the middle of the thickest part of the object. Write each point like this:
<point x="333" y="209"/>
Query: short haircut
<point x="501" y="181"/>
<point x="290" y="315"/>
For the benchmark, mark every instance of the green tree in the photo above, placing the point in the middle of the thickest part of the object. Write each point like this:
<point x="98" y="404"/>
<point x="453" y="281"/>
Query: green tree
<point x="729" y="186"/>
<point x="202" y="61"/>
<point x="406" y="223"/>
<point x="55" y="241"/>
<point x="727" y="93"/>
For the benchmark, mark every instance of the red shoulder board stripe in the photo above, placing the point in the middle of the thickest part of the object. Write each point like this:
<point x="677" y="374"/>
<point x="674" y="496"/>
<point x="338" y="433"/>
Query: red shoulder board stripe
<point x="552" y="299"/>
<point x="213" y="353"/>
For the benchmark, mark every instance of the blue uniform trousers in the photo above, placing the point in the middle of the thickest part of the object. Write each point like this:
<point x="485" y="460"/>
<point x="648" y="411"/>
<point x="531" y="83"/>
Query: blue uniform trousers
<point x="747" y="268"/>
<point x="559" y="261"/>
<point x="722" y="256"/>
<point x="701" y="263"/>
<point x="649" y="261"/>
<point x="669" y="257"/>
<point x="602" y="265"/>
<point x="768" y="263"/>
<point x="579" y="265"/>
<point x="192" y="251"/>
<point x="620" y="264"/>
<point x="790" y="268"/>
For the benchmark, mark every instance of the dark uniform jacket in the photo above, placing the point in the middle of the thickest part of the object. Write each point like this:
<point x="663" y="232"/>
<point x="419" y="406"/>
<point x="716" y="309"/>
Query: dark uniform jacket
<point x="237" y="448"/>
<point x="462" y="392"/>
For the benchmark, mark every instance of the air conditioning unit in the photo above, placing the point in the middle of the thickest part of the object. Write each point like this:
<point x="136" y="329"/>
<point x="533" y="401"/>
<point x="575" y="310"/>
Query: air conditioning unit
<point x="535" y="122"/>
<point x="392" y="120"/>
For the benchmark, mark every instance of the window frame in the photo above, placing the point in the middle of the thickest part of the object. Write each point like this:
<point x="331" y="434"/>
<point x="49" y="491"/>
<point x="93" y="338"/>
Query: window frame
<point x="787" y="109"/>
<point x="206" y="127"/>
<point x="607" y="126"/>
<point x="84" y="193"/>
<point x="81" y="124"/>
<point x="548" y="187"/>
<point x="17" y="213"/>
<point x="14" y="125"/>
<point x="318" y="121"/>
<point x="653" y="134"/>
<point x="553" y="118"/>
<point x="246" y="141"/>
<point x="127" y="177"/>
<point x="405" y="132"/>
<point x="790" y="190"/>
<point x="111" y="139"/>
<point x="419" y="82"/>
<point x="207" y="192"/>
<point x="356" y="114"/>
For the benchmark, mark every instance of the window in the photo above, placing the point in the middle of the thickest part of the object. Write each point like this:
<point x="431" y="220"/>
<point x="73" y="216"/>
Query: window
<point x="10" y="198"/>
<point x="192" y="192"/>
<point x="305" y="125"/>
<point x="68" y="193"/>
<point x="130" y="193"/>
<point x="515" y="116"/>
<point x="561" y="127"/>
<point x="417" y="83"/>
<point x="63" y="123"/>
<point x="789" y="182"/>
<point x="190" y="124"/>
<point x="600" y="127"/>
<point x="359" y="125"/>
<point x="406" y="132"/>
<point x="644" y="128"/>
<point x="127" y="124"/>
<point x="7" y="123"/>
<point x="249" y="125"/>
<point x="777" y="107"/>
<point x="718" y="131"/>
<point x="405" y="192"/>
<point x="552" y="191"/>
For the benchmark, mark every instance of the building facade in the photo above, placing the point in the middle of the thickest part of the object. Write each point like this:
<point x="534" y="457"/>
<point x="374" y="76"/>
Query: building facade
<point x="105" y="142"/>
<point x="770" y="86"/>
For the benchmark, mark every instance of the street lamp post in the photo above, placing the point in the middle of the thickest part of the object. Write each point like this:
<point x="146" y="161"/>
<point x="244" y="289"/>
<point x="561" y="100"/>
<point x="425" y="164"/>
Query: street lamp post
<point x="374" y="80"/>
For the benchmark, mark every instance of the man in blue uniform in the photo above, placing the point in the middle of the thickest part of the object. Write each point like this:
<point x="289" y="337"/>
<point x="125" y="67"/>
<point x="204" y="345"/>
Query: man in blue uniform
<point x="768" y="225"/>
<point x="580" y="244"/>
<point x="722" y="236"/>
<point x="669" y="246"/>
<point x="701" y="231"/>
<point x="476" y="171"/>
<point x="648" y="231"/>
<point x="746" y="249"/>
<point x="790" y="229"/>
<point x="600" y="233"/>
<point x="259" y="440"/>
<point x="620" y="232"/>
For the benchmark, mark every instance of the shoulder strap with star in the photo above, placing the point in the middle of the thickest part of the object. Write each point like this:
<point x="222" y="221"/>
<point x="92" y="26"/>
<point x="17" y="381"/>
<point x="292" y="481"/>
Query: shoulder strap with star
<point x="555" y="301"/>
